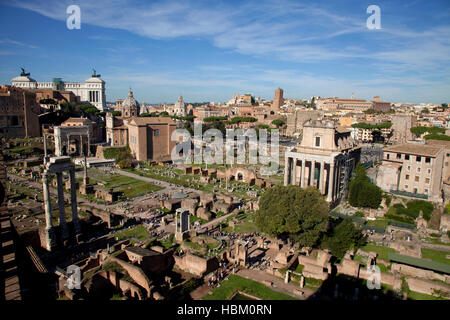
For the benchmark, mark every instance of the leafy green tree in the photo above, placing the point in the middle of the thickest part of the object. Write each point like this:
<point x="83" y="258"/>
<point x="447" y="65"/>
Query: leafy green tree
<point x="116" y="113"/>
<point x="214" y="118"/>
<point x="362" y="192"/>
<point x="418" y="131"/>
<point x="343" y="237"/>
<point x="278" y="122"/>
<point x="289" y="211"/>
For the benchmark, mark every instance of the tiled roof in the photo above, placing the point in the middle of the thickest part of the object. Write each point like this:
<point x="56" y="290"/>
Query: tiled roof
<point x="142" y="121"/>
<point x="417" y="149"/>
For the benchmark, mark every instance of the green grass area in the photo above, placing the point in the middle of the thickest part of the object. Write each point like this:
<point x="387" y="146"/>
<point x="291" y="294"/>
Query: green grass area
<point x="379" y="223"/>
<point x="299" y="268"/>
<point x="313" y="283"/>
<point x="407" y="214"/>
<point x="130" y="187"/>
<point x="21" y="149"/>
<point x="382" y="251"/>
<point x="436" y="241"/>
<point x="139" y="232"/>
<point x="168" y="243"/>
<point x="177" y="176"/>
<point x="114" y="153"/>
<point x="237" y="283"/>
<point x="193" y="219"/>
<point x="193" y="245"/>
<point x="246" y="227"/>
<point x="421" y="296"/>
<point x="435" y="255"/>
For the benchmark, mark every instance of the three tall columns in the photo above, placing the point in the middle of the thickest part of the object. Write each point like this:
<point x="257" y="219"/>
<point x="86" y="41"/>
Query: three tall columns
<point x="49" y="229"/>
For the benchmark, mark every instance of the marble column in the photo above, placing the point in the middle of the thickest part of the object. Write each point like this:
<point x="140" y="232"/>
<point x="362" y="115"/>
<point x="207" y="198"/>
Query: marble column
<point x="311" y="174"/>
<point x="62" y="211"/>
<point x="330" y="197"/>
<point x="302" y="178"/>
<point x="286" y="171"/>
<point x="321" y="182"/>
<point x="338" y="171"/>
<point x="50" y="239"/>
<point x="293" y="163"/>
<point x="73" y="201"/>
<point x="89" y="145"/>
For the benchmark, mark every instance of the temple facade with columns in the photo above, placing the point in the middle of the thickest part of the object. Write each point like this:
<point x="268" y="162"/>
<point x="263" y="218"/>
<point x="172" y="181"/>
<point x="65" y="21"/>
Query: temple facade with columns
<point x="324" y="159"/>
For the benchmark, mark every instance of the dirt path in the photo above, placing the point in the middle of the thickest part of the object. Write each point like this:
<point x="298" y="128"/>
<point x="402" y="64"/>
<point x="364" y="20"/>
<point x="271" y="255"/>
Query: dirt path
<point x="278" y="284"/>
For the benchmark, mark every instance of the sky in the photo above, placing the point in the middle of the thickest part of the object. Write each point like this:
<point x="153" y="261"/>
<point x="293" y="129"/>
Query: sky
<point x="210" y="50"/>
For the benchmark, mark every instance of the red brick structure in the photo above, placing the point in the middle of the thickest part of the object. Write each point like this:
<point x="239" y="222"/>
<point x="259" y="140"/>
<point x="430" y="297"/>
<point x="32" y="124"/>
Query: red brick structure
<point x="150" y="138"/>
<point x="18" y="113"/>
<point x="278" y="100"/>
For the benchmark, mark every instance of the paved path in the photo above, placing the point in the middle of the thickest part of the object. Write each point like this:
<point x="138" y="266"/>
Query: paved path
<point x="278" y="284"/>
<point x="216" y="221"/>
<point x="440" y="247"/>
<point x="200" y="292"/>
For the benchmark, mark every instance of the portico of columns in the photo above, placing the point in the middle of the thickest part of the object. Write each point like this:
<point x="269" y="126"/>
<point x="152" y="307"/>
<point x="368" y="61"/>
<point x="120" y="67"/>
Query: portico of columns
<point x="300" y="170"/>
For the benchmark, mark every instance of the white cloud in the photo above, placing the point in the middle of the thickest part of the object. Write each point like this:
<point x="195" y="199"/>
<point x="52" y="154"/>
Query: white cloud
<point x="284" y="30"/>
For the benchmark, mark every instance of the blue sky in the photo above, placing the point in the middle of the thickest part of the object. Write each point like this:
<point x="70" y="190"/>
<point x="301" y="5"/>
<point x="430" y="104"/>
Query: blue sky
<point x="209" y="50"/>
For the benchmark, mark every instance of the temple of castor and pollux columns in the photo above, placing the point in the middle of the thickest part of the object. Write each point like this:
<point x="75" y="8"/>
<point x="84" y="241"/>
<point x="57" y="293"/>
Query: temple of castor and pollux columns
<point x="57" y="165"/>
<point x="324" y="159"/>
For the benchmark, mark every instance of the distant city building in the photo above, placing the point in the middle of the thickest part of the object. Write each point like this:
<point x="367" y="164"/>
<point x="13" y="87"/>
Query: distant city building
<point x="180" y="108"/>
<point x="401" y="128"/>
<point x="324" y="159"/>
<point x="130" y="106"/>
<point x="278" y="100"/>
<point x="296" y="120"/>
<point x="19" y="113"/>
<point x="92" y="90"/>
<point x="336" y="104"/>
<point x="378" y="105"/>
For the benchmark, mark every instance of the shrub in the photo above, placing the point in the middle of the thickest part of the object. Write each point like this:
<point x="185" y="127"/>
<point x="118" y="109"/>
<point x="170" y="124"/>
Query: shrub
<point x="362" y="192"/>
<point x="342" y="238"/>
<point x="388" y="200"/>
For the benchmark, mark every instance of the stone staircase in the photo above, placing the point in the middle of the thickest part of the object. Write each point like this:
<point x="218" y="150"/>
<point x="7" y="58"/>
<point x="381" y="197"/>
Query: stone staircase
<point x="9" y="280"/>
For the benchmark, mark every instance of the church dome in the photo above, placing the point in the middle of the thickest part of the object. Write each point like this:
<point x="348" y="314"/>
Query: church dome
<point x="130" y="101"/>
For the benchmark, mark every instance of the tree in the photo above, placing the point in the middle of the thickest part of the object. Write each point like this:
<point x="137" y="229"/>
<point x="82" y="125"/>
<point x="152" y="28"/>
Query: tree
<point x="289" y="211"/>
<point x="362" y="192"/>
<point x="342" y="238"/>
<point x="278" y="122"/>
